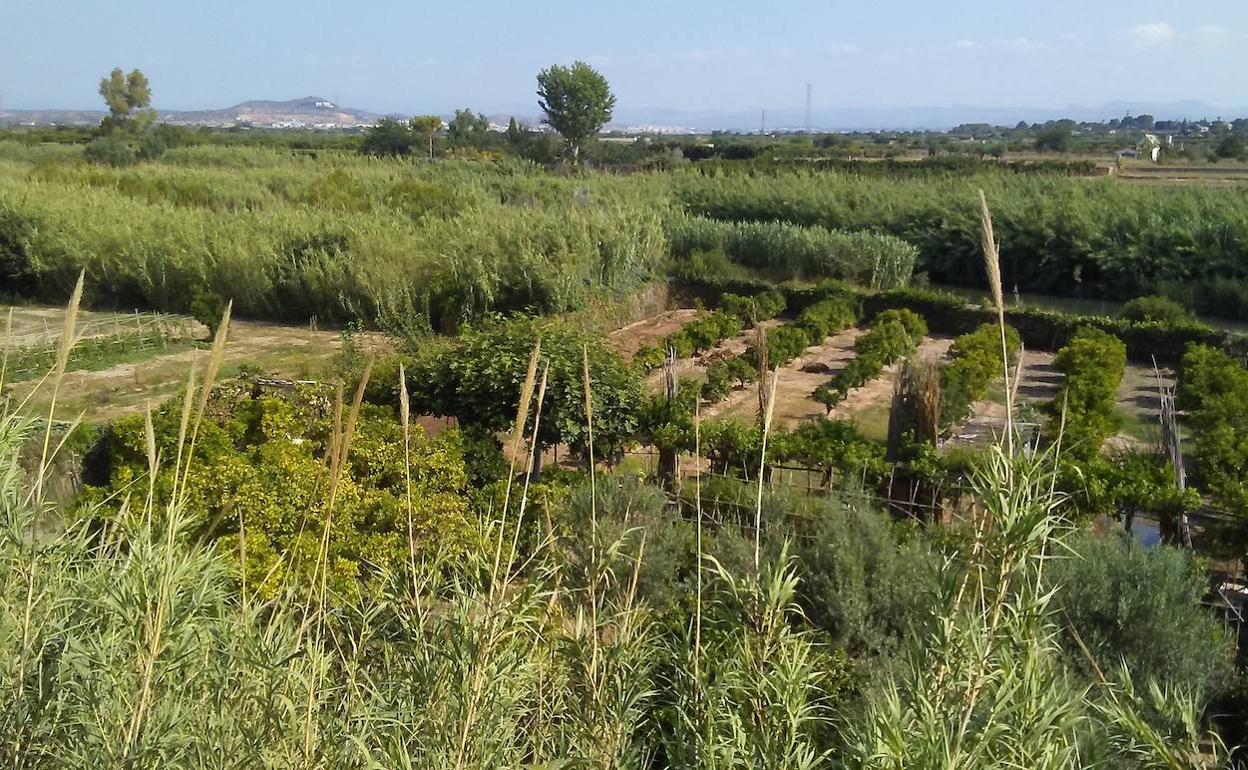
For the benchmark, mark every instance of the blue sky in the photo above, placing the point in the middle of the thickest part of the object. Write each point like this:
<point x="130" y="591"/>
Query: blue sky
<point x="690" y="54"/>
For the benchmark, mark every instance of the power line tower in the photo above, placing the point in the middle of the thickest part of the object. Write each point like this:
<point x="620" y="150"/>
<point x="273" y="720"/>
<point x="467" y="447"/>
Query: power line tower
<point x="808" y="87"/>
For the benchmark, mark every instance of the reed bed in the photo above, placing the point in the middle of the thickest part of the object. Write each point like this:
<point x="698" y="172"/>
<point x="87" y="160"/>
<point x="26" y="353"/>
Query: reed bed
<point x="129" y="643"/>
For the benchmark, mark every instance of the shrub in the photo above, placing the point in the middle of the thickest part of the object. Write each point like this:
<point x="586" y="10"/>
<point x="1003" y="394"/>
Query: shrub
<point x="1039" y="329"/>
<point x="1141" y="608"/>
<point x="784" y="343"/>
<point x="755" y="309"/>
<point x="1213" y="388"/>
<point x="476" y="378"/>
<point x="974" y="364"/>
<point x="1156" y="309"/>
<point x="1093" y="364"/>
<point x="259" y="471"/>
<point x="825" y="318"/>
<point x="109" y="151"/>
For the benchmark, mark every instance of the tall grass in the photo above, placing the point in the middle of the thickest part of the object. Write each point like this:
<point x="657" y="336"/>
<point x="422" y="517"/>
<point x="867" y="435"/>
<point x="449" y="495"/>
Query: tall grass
<point x="1059" y="235"/>
<point x="129" y="644"/>
<point x="339" y="241"/>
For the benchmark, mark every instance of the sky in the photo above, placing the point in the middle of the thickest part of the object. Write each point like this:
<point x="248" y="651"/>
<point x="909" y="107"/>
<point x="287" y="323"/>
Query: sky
<point x="414" y="56"/>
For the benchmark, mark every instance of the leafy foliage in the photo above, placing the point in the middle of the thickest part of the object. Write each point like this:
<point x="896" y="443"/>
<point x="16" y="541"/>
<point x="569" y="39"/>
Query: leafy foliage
<point x="577" y="101"/>
<point x="259" y="474"/>
<point x="1141" y="609"/>
<point x="1093" y="364"/>
<point x="975" y="363"/>
<point x="892" y="336"/>
<point x="1157" y="309"/>
<point x="1213" y="388"/>
<point x="476" y="378"/>
<point x="792" y="251"/>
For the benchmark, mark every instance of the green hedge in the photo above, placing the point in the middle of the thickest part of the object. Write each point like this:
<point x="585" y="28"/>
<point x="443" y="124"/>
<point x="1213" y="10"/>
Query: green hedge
<point x="1213" y="389"/>
<point x="948" y="313"/>
<point x="975" y="363"/>
<point x="793" y="251"/>
<point x="894" y="334"/>
<point x="1093" y="363"/>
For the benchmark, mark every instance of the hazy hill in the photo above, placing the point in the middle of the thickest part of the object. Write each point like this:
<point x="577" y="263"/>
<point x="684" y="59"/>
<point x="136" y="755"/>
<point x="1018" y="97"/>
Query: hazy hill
<point x="310" y="111"/>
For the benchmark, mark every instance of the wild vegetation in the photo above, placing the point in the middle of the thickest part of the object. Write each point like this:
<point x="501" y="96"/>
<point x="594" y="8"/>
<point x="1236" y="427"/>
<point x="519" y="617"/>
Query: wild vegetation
<point x="450" y="556"/>
<point x="580" y="618"/>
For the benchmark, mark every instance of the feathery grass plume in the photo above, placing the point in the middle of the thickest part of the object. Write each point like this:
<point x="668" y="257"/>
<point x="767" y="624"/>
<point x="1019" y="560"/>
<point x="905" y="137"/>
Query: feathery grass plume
<point x="149" y="437"/>
<point x="184" y="422"/>
<point x="528" y="467"/>
<point x="215" y="357"/>
<point x="321" y="568"/>
<point x="68" y="339"/>
<point x="405" y="419"/>
<point x="593" y="504"/>
<point x="992" y="265"/>
<point x="517" y="441"/>
<point x="697" y="512"/>
<point x="770" y="403"/>
<point x="1018" y="373"/>
<point x="764" y="366"/>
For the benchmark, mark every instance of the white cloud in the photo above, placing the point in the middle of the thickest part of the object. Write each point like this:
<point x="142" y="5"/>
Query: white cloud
<point x="1014" y="44"/>
<point x="1155" y="34"/>
<point x="1159" y="35"/>
<point x="704" y="54"/>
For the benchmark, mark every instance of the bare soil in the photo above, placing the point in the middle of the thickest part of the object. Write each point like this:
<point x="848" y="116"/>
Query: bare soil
<point x="648" y="331"/>
<point x="798" y="380"/>
<point x="34" y="325"/>
<point x="288" y="352"/>
<point x="1138" y="403"/>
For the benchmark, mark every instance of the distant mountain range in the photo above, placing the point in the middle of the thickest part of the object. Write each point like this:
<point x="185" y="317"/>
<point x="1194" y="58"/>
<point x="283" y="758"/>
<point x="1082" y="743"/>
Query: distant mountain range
<point x="906" y="118"/>
<point x="308" y="112"/>
<point x="317" y="112"/>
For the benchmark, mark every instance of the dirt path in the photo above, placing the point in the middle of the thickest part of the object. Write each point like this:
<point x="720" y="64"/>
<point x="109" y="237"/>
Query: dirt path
<point x="648" y="331"/>
<point x="1137" y="402"/>
<point x="695" y="368"/>
<point x="280" y="351"/>
<point x="32" y="326"/>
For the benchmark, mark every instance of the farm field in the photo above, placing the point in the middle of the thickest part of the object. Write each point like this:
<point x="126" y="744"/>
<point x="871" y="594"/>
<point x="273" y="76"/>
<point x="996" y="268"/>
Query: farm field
<point x="131" y="379"/>
<point x="513" y="459"/>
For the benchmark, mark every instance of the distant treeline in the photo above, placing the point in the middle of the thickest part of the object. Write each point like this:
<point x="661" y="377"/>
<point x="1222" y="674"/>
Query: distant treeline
<point x="1061" y="236"/>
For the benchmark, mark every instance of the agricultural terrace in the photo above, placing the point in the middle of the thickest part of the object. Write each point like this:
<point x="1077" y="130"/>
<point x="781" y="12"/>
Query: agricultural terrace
<point x="467" y="444"/>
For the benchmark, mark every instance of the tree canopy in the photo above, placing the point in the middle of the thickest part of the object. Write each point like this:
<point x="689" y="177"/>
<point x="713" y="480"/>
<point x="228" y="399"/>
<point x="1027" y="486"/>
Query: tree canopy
<point x="577" y="101"/>
<point x="388" y="137"/>
<point x="468" y="129"/>
<point x="129" y="101"/>
<point x="476" y="378"/>
<point x="427" y="126"/>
